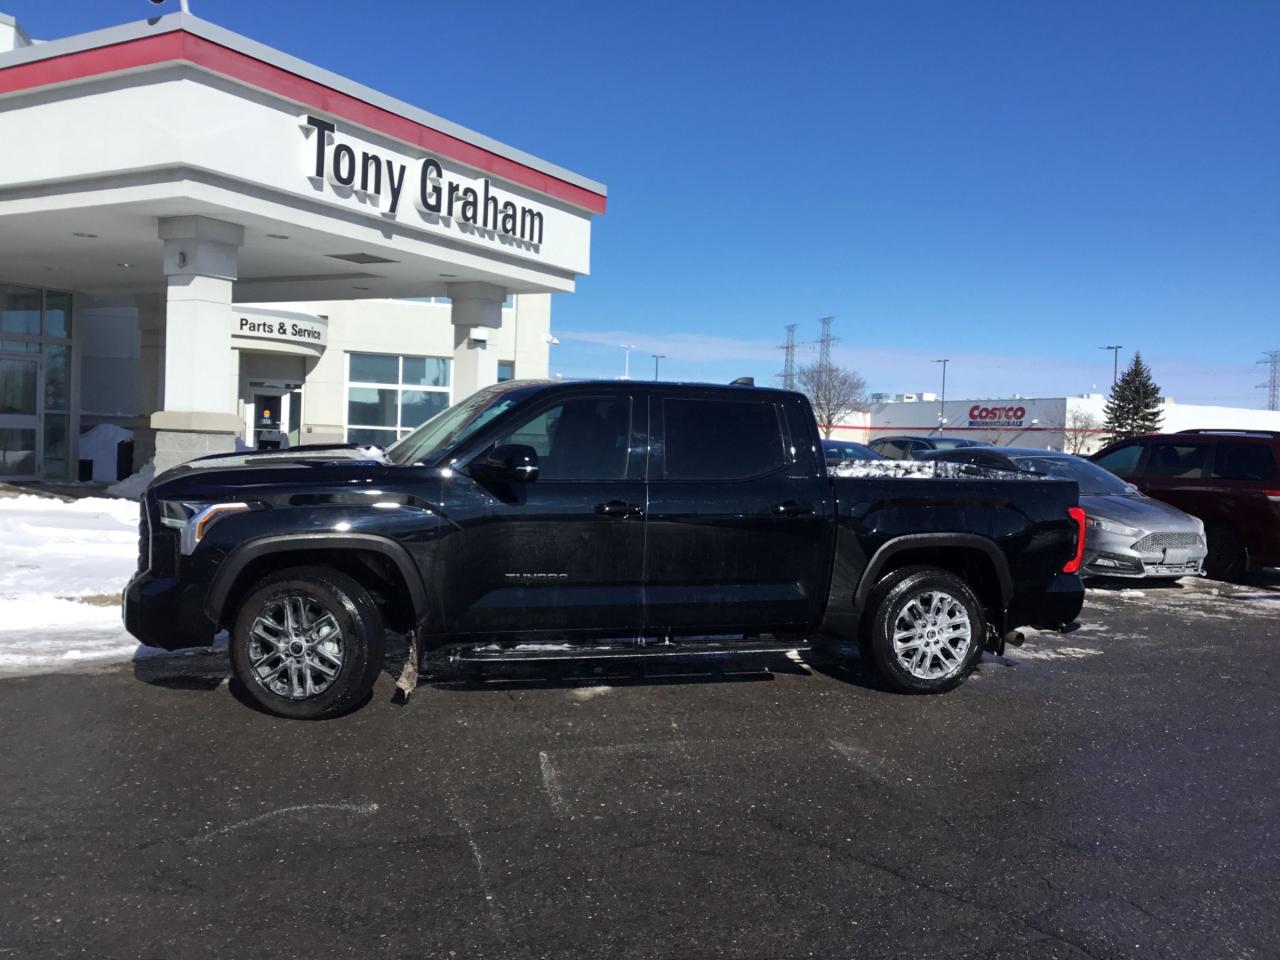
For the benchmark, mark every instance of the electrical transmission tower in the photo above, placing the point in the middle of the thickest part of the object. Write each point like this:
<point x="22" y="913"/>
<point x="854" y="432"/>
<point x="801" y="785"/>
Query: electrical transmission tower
<point x="788" y="374"/>
<point x="825" y="341"/>
<point x="1272" y="386"/>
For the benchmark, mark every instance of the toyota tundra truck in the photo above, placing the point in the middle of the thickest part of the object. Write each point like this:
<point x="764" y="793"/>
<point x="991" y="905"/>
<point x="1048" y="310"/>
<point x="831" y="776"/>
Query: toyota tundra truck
<point x="546" y="520"/>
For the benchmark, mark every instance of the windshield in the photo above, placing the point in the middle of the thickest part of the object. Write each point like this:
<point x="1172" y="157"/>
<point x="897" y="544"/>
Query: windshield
<point x="455" y="424"/>
<point x="1093" y="480"/>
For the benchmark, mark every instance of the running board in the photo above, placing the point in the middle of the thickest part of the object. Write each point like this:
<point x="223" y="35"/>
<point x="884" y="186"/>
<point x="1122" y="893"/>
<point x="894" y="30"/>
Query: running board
<point x="534" y="651"/>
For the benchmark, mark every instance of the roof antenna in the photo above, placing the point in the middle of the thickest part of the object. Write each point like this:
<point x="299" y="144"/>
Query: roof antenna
<point x="182" y="4"/>
<point x="743" y="382"/>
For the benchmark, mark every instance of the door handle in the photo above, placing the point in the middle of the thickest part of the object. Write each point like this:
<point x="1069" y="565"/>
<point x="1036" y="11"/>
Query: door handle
<point x="792" y="508"/>
<point x="618" y="508"/>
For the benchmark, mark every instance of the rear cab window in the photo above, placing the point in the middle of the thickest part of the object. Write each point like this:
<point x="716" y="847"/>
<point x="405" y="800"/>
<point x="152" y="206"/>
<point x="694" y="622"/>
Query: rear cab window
<point x="715" y="439"/>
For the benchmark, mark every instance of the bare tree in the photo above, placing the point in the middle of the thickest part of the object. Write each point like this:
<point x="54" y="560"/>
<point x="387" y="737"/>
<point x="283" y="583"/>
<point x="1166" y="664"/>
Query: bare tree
<point x="834" y="392"/>
<point x="1080" y="430"/>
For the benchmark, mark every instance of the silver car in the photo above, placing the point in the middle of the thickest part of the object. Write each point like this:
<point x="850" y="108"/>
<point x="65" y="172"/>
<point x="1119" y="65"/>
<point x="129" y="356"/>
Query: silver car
<point x="1128" y="534"/>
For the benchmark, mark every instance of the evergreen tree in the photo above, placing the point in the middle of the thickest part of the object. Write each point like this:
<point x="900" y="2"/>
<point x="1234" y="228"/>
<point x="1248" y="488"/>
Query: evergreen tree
<point x="1134" y="407"/>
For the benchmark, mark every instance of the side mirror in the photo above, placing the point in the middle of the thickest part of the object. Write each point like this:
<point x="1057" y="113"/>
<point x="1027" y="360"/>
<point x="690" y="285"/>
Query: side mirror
<point x="509" y="461"/>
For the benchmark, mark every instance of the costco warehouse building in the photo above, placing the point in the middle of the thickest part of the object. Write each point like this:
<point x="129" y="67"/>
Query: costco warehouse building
<point x="1051" y="423"/>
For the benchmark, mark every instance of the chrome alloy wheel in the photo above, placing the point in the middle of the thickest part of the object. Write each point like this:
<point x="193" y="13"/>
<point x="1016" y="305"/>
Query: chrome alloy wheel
<point x="931" y="635"/>
<point x="295" y="647"/>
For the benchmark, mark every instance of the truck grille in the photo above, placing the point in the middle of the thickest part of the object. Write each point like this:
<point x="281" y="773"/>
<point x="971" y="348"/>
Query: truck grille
<point x="157" y="544"/>
<point x="144" y="537"/>
<point x="1163" y="541"/>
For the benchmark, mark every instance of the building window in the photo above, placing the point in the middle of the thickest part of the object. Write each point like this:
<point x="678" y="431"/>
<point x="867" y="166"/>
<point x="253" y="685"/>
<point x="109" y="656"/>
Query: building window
<point x="35" y="382"/>
<point x="388" y="395"/>
<point x="506" y="370"/>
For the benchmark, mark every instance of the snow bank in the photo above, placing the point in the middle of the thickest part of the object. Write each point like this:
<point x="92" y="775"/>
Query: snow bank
<point x="132" y="486"/>
<point x="101" y="445"/>
<point x="921" y="469"/>
<point x="55" y="548"/>
<point x="54" y="552"/>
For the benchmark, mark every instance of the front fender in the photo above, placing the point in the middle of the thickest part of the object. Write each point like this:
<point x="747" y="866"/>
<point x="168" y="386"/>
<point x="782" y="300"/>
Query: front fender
<point x="240" y="557"/>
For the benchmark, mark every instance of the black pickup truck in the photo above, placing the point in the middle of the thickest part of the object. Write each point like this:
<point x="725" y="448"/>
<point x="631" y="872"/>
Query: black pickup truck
<point x="541" y="520"/>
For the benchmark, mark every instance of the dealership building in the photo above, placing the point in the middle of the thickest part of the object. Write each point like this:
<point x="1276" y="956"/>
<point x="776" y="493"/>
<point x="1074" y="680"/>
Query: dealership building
<point x="209" y="243"/>
<point x="1052" y="423"/>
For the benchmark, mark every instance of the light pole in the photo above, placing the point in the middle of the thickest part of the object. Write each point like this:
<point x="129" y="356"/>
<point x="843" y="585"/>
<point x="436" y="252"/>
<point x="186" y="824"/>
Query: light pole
<point x="626" y="362"/>
<point x="656" y="358"/>
<point x="942" y="403"/>
<point x="1115" y="361"/>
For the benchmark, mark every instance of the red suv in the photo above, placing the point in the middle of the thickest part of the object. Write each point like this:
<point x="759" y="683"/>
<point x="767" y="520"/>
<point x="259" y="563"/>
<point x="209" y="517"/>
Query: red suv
<point x="1227" y="478"/>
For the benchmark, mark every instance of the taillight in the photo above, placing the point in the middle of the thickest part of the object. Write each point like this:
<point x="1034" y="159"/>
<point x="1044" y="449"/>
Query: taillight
<point x="1078" y="518"/>
<point x="1272" y="495"/>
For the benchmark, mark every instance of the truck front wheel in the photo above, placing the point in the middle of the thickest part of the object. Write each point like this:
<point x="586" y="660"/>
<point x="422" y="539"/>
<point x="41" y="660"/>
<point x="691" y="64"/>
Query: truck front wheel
<point x="307" y="643"/>
<point x="925" y="630"/>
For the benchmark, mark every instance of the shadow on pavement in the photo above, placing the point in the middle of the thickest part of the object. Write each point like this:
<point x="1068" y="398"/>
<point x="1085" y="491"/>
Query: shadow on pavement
<point x="1114" y="584"/>
<point x="206" y="670"/>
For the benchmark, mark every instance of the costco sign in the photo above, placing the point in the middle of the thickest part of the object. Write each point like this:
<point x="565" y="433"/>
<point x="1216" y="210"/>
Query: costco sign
<point x="980" y="416"/>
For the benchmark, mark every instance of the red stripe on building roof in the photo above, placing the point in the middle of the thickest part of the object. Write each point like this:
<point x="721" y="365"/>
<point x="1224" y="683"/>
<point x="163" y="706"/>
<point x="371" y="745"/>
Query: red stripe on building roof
<point x="179" y="45"/>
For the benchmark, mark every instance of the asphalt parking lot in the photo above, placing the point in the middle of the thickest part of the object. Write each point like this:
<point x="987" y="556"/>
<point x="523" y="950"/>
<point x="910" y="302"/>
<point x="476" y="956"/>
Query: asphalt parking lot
<point x="1106" y="793"/>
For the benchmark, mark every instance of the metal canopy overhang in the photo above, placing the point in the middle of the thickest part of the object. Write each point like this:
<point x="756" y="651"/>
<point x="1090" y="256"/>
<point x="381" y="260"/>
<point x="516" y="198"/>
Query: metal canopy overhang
<point x="106" y="242"/>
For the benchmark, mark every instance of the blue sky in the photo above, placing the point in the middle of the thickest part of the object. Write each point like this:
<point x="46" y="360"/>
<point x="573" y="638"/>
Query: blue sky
<point x="1010" y="185"/>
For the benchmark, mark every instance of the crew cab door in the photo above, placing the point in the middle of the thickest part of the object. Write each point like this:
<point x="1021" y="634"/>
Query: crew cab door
<point x="738" y="523"/>
<point x="562" y="552"/>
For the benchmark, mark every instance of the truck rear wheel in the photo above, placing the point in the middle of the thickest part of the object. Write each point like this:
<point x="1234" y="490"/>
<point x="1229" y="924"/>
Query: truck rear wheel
<point x="925" y="630"/>
<point x="307" y="643"/>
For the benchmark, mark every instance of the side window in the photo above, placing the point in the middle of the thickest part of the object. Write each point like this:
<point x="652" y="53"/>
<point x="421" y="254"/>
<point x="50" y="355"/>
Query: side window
<point x="889" y="449"/>
<point x="585" y="438"/>
<point x="1177" y="460"/>
<point x="1122" y="461"/>
<point x="915" y="448"/>
<point x="721" y="439"/>
<point x="1243" y="461"/>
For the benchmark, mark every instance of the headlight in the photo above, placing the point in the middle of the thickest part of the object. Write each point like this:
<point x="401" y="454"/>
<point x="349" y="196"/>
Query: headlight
<point x="1110" y="526"/>
<point x="193" y="518"/>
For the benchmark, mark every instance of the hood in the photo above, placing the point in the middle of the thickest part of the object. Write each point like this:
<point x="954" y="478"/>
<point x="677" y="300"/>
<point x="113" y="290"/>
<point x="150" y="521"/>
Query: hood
<point x="318" y="454"/>
<point x="229" y="474"/>
<point x="1142" y="512"/>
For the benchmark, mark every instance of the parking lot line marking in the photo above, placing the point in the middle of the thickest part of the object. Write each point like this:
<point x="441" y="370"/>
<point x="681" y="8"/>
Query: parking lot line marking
<point x="363" y="809"/>
<point x="551" y="783"/>
<point x="496" y="922"/>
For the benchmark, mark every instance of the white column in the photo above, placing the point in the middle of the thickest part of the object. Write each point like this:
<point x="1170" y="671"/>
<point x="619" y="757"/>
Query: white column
<point x="151" y="309"/>
<point x="201" y="371"/>
<point x="477" y="309"/>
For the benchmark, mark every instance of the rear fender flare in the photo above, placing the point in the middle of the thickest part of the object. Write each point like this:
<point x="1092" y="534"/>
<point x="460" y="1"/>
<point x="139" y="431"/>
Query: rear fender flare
<point x="230" y="569"/>
<point x="916" y="541"/>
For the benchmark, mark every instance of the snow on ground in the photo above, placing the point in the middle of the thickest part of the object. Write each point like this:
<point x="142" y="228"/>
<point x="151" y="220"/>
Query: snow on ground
<point x="62" y="567"/>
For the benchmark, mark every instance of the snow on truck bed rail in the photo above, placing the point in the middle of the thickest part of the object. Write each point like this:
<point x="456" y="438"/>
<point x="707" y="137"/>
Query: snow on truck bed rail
<point x="922" y="469"/>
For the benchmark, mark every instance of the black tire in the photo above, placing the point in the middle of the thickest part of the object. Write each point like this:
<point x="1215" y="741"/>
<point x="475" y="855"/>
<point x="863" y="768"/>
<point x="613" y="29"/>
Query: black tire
<point x="362" y="642"/>
<point x="889" y="600"/>
<point x="1227" y="558"/>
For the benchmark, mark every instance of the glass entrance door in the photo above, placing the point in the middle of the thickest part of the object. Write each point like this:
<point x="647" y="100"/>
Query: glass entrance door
<point x="273" y="420"/>
<point x="20" y="438"/>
